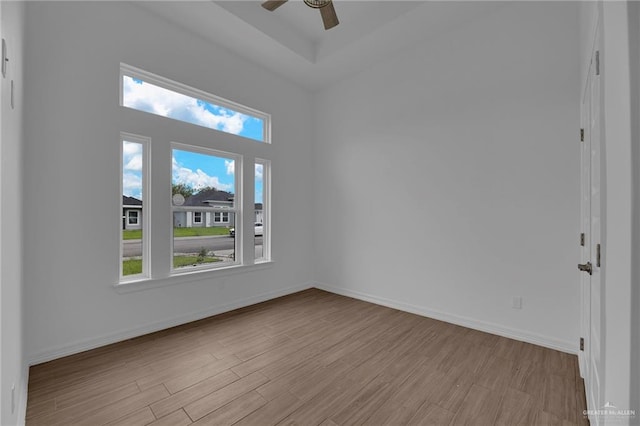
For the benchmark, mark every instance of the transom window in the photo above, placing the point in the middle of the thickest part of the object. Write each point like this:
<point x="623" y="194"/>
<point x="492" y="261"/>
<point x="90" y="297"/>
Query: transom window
<point x="156" y="95"/>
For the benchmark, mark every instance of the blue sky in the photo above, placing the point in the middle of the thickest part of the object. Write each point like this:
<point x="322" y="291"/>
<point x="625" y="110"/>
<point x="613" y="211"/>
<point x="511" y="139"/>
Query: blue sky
<point x="147" y="97"/>
<point x="132" y="169"/>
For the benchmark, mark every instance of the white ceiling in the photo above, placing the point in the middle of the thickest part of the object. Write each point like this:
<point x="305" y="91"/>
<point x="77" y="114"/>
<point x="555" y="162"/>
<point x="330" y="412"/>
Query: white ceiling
<point x="291" y="40"/>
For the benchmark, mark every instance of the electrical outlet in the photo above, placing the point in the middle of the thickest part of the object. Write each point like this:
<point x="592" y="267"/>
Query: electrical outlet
<point x="516" y="303"/>
<point x="13" y="398"/>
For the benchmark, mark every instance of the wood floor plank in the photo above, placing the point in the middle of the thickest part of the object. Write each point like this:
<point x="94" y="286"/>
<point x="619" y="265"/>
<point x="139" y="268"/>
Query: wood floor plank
<point x="177" y="418"/>
<point x="272" y="412"/>
<point x="517" y="408"/>
<point x="283" y="384"/>
<point x="178" y="400"/>
<point x="234" y="411"/>
<point x="141" y="417"/>
<point x="545" y="418"/>
<point x="310" y="358"/>
<point x="77" y="411"/>
<point x="559" y="397"/>
<point x="431" y="415"/>
<point x="408" y="399"/>
<point x="190" y="378"/>
<point x="496" y="373"/>
<point x="123" y="407"/>
<point x="360" y="408"/>
<point x="453" y="389"/>
<point x="211" y="402"/>
<point x="42" y="407"/>
<point x="176" y="370"/>
<point x="480" y="407"/>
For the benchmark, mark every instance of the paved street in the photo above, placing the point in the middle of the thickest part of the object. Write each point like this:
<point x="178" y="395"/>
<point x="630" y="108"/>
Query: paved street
<point x="186" y="245"/>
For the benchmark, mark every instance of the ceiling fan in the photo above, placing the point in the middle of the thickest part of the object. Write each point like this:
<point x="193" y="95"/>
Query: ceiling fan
<point x="328" y="13"/>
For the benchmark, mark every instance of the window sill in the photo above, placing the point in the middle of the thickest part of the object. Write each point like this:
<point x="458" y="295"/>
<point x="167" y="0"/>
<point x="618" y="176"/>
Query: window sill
<point x="151" y="283"/>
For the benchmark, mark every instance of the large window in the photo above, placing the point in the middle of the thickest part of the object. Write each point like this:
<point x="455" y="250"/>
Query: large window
<point x="134" y="247"/>
<point x="213" y="219"/>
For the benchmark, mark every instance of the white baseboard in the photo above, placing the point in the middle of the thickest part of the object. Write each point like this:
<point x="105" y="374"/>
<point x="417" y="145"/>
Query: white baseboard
<point x="87" y="344"/>
<point x="524" y="336"/>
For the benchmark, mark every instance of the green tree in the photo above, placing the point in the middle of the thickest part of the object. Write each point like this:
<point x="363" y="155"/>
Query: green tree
<point x="180" y="188"/>
<point x="204" y="189"/>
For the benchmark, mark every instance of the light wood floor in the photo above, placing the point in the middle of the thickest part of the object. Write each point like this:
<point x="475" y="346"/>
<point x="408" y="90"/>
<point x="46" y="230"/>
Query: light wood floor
<point x="310" y="358"/>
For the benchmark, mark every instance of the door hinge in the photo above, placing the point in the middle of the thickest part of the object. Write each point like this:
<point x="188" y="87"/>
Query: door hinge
<point x="598" y="255"/>
<point x="582" y="239"/>
<point x="581" y="135"/>
<point x="582" y="343"/>
<point x="597" y="62"/>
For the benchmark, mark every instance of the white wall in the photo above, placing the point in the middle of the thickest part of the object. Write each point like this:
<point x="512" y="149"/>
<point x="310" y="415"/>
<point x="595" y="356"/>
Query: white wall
<point x="13" y="366"/>
<point x="71" y="180"/>
<point x="448" y="176"/>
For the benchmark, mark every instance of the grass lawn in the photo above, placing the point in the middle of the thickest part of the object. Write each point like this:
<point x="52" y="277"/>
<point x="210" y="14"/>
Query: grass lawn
<point x="134" y="266"/>
<point x="136" y="234"/>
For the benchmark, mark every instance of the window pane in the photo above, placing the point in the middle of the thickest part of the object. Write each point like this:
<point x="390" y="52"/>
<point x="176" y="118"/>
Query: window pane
<point x="132" y="197"/>
<point x="259" y="212"/>
<point x="144" y="96"/>
<point x="202" y="238"/>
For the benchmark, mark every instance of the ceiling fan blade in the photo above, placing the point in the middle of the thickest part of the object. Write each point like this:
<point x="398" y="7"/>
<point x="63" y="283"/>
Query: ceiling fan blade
<point x="273" y="4"/>
<point x="329" y="17"/>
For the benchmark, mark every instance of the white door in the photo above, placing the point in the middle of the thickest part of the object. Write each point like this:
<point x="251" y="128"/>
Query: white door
<point x="591" y="359"/>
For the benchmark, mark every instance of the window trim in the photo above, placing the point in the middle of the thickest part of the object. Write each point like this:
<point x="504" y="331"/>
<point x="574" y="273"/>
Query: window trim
<point x="146" y="201"/>
<point x="236" y="208"/>
<point x="199" y="215"/>
<point x="165" y="83"/>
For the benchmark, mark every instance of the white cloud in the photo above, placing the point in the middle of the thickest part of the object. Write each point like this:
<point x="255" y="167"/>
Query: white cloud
<point x="197" y="179"/>
<point x="231" y="166"/>
<point x="132" y="185"/>
<point x="259" y="172"/>
<point x="132" y="156"/>
<point x="134" y="163"/>
<point x="157" y="100"/>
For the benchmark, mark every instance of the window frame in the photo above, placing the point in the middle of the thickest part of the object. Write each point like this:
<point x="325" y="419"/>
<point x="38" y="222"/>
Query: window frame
<point x="145" y="274"/>
<point x="165" y="83"/>
<point x="221" y="217"/>
<point x="236" y="209"/>
<point x="129" y="216"/>
<point x="197" y="214"/>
